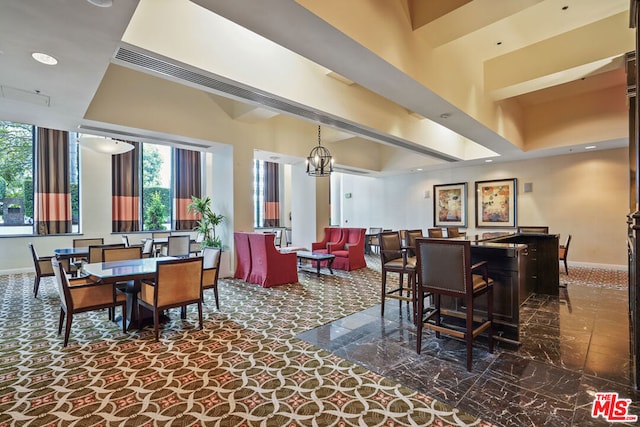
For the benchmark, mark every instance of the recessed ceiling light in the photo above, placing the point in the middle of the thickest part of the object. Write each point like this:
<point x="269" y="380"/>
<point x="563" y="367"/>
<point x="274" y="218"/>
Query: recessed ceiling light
<point x="498" y="43"/>
<point x="565" y="7"/>
<point x="419" y="169"/>
<point x="43" y="58"/>
<point x="101" y="3"/>
<point x="445" y="115"/>
<point x="488" y="161"/>
<point x="590" y="147"/>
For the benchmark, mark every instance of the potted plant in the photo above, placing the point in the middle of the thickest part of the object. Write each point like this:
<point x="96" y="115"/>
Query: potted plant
<point x="208" y="221"/>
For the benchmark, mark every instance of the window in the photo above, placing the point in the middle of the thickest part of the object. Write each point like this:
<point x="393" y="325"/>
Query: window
<point x="17" y="177"/>
<point x="266" y="194"/>
<point x="258" y="193"/>
<point x="156" y="187"/>
<point x="152" y="187"/>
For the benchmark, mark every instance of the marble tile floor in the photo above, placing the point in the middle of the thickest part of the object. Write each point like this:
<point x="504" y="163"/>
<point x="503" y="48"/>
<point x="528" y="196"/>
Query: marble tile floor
<point x="572" y="347"/>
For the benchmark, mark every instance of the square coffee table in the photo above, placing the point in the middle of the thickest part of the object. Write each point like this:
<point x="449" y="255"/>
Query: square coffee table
<point x="317" y="258"/>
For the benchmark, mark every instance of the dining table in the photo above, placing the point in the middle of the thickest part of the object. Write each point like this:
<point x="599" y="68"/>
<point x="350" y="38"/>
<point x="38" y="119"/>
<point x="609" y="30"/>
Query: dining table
<point x="68" y="253"/>
<point x="129" y="271"/>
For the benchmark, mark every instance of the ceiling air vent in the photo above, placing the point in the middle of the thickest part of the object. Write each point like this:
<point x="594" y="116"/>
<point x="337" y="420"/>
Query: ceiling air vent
<point x="145" y="62"/>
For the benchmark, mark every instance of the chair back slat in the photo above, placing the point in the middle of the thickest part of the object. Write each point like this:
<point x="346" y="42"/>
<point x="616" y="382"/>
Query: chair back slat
<point x="390" y="247"/>
<point x="95" y="251"/>
<point x="179" y="246"/>
<point x="443" y="266"/>
<point x="35" y="257"/>
<point x="160" y="234"/>
<point x="83" y="243"/>
<point x="211" y="268"/>
<point x="412" y="236"/>
<point x="178" y="280"/>
<point x="435" y="232"/>
<point x="120" y="254"/>
<point x="62" y="282"/>
<point x="147" y="249"/>
<point x="210" y="257"/>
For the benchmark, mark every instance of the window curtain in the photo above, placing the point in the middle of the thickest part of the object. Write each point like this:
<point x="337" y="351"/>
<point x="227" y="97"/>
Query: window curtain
<point x="187" y="182"/>
<point x="271" y="195"/>
<point x="52" y="210"/>
<point x="125" y="190"/>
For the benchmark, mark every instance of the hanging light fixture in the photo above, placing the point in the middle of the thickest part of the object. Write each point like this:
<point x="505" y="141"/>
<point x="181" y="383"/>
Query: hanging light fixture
<point x="319" y="162"/>
<point x="106" y="145"/>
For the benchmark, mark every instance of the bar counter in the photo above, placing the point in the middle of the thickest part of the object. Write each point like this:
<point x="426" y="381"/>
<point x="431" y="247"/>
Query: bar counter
<point x="519" y="264"/>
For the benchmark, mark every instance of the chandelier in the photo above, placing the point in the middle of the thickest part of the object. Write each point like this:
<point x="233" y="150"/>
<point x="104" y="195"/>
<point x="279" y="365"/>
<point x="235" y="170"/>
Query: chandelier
<point x="105" y="145"/>
<point x="319" y="162"/>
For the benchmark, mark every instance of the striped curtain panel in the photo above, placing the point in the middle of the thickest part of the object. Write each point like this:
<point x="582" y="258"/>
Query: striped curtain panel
<point x="187" y="182"/>
<point x="125" y="190"/>
<point x="271" y="195"/>
<point x="52" y="204"/>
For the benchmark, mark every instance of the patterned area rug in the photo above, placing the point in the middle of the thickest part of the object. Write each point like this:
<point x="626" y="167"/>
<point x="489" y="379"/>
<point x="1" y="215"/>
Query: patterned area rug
<point x="244" y="369"/>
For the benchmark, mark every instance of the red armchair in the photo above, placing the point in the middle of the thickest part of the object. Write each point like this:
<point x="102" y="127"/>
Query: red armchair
<point x="331" y="235"/>
<point x="243" y="265"/>
<point x="349" y="251"/>
<point x="269" y="267"/>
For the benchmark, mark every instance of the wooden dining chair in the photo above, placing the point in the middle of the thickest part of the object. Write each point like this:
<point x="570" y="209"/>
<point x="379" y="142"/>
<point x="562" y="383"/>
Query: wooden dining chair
<point x="158" y="246"/>
<point x="563" y="252"/>
<point x="445" y="270"/>
<point x="119" y="254"/>
<point x="83" y="243"/>
<point x="210" y="270"/>
<point x="179" y="246"/>
<point x="81" y="295"/>
<point x="373" y="242"/>
<point x="394" y="260"/>
<point x="412" y="236"/>
<point x="95" y="251"/>
<point x="435" y="232"/>
<point x="453" y="232"/>
<point x="147" y="248"/>
<point x="178" y="283"/>
<point x="43" y="268"/>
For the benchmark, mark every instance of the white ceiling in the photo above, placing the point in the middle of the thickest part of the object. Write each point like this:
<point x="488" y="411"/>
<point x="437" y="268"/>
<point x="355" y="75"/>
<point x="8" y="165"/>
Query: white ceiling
<point x="84" y="39"/>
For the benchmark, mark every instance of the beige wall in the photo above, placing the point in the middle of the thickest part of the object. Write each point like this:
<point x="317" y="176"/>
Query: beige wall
<point x="585" y="195"/>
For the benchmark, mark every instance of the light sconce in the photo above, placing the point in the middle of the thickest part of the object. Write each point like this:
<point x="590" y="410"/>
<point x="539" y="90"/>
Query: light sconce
<point x="319" y="162"/>
<point x="105" y="145"/>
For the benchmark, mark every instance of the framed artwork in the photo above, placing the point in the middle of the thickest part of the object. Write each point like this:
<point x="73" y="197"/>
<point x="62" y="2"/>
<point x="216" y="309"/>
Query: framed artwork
<point x="496" y="203"/>
<point x="450" y="205"/>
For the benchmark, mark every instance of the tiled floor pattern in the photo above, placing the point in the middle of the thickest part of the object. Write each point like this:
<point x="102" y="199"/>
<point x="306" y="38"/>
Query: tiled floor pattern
<point x="572" y="347"/>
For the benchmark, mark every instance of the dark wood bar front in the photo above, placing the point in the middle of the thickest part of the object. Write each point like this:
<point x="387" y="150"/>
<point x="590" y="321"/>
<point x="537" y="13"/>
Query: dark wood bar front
<point x="544" y="266"/>
<point x="520" y="264"/>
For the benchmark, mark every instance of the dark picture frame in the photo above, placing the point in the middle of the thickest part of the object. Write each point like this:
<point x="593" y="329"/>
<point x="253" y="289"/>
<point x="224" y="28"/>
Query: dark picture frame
<point x="450" y="205"/>
<point x="496" y="203"/>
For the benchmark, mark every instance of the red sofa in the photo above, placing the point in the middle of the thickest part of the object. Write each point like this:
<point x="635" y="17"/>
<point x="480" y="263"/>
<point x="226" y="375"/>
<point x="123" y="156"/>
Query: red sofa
<point x="349" y="251"/>
<point x="243" y="264"/>
<point x="269" y="267"/>
<point x="331" y="235"/>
